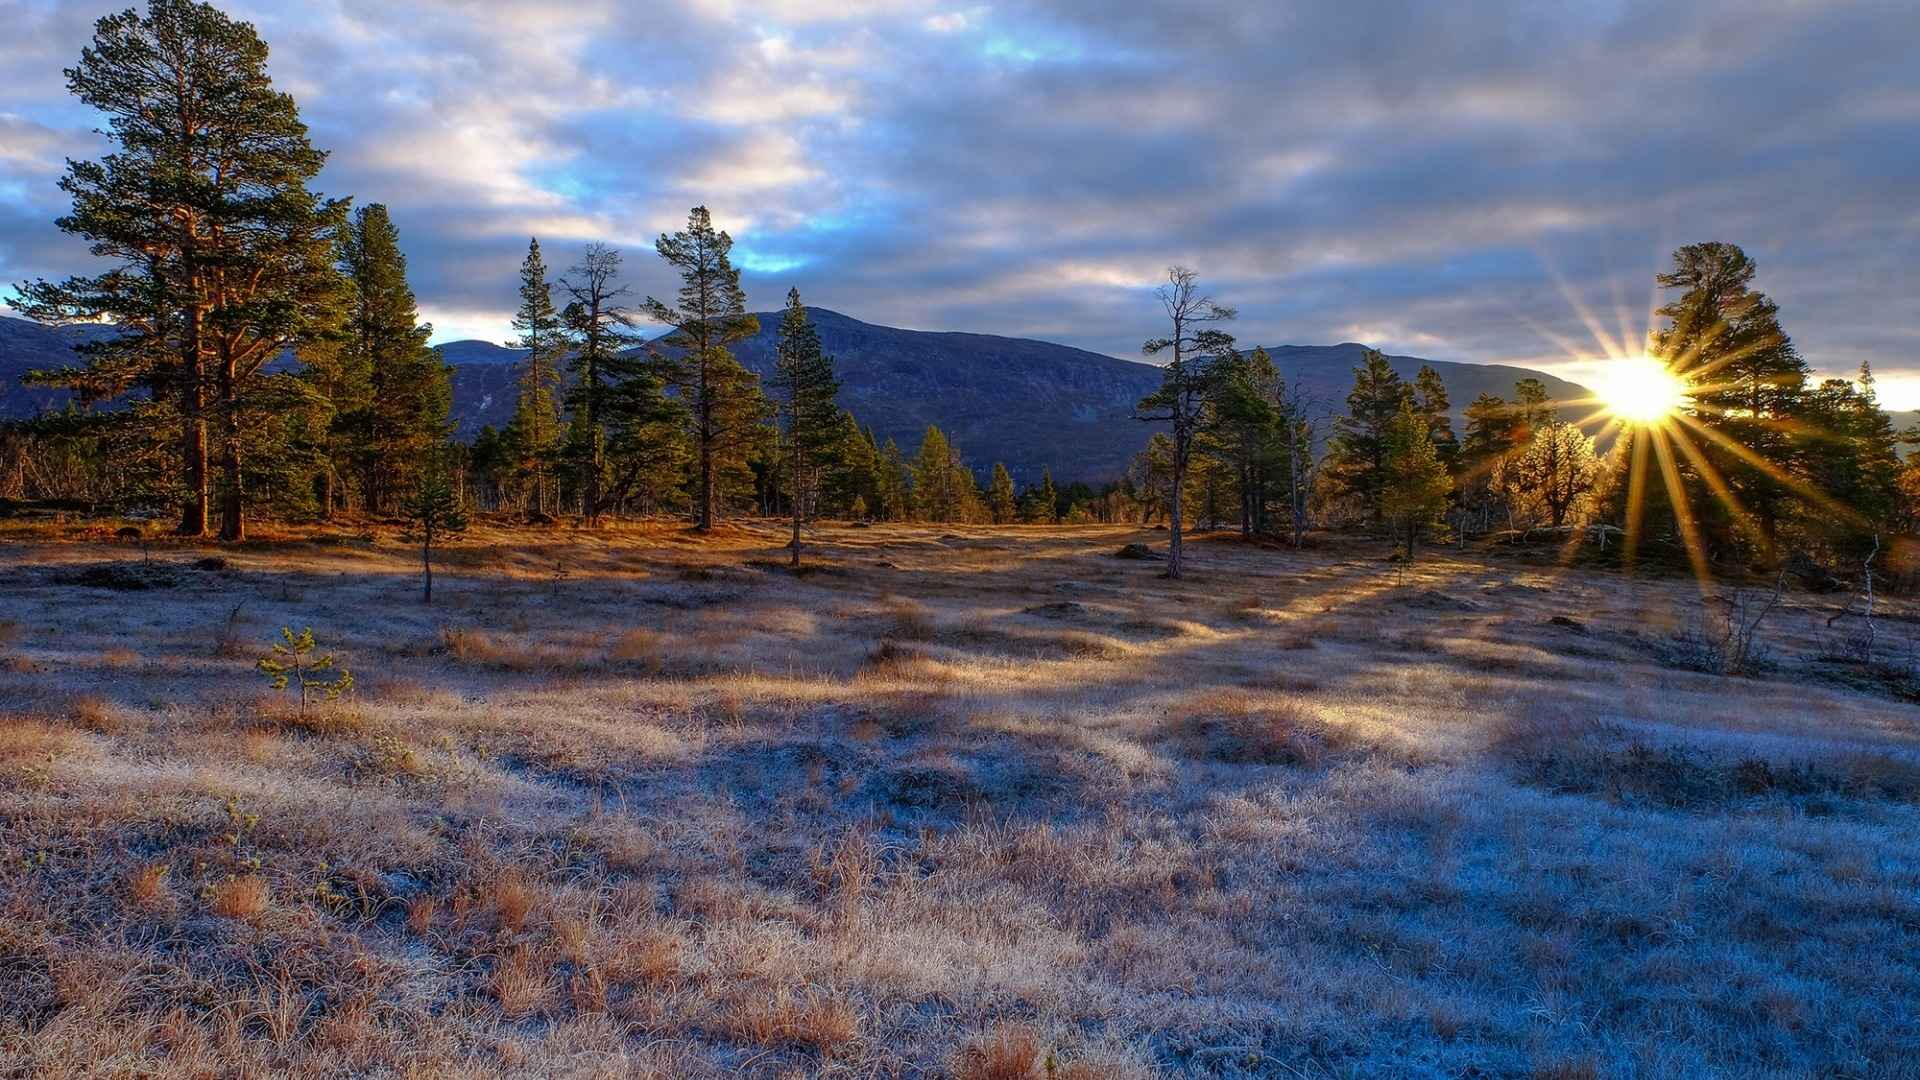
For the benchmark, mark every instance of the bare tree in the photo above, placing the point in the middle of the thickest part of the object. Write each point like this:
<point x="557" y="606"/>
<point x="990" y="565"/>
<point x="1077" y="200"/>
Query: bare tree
<point x="1186" y="382"/>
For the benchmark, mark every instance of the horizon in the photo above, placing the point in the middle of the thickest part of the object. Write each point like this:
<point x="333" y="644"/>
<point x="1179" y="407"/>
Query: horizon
<point x="1482" y="187"/>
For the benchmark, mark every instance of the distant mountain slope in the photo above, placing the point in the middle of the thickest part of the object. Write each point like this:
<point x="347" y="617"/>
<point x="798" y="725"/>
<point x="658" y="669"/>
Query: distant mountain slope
<point x="1326" y="373"/>
<point x="27" y="346"/>
<point x="1031" y="404"/>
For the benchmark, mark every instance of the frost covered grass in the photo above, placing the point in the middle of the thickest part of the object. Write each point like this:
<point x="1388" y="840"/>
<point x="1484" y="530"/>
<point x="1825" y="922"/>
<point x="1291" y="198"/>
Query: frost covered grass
<point x="960" y="801"/>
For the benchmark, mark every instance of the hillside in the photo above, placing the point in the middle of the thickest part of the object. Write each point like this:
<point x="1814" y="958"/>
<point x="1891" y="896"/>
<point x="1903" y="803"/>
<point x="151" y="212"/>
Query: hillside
<point x="1032" y="404"/>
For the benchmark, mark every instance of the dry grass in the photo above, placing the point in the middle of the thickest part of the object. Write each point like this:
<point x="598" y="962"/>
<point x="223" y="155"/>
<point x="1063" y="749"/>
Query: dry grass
<point x="245" y="897"/>
<point x="969" y="802"/>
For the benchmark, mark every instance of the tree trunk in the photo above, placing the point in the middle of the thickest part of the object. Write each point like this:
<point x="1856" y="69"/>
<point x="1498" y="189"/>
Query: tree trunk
<point x="193" y="517"/>
<point x="426" y="564"/>
<point x="796" y="533"/>
<point x="1174" y="515"/>
<point x="193" y="435"/>
<point x="705" y="521"/>
<point x="233" y="527"/>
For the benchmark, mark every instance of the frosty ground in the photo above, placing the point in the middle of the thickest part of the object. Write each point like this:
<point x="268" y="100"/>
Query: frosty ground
<point x="956" y="801"/>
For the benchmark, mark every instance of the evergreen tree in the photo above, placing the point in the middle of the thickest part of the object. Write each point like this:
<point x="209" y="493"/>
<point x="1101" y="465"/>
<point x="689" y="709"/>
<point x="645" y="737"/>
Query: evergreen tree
<point x="392" y="391"/>
<point x="1248" y="435"/>
<point x="936" y="494"/>
<point x="806" y="387"/>
<point x="1049" y="498"/>
<point x="535" y="428"/>
<point x="1431" y="403"/>
<point x="1187" y="382"/>
<point x="434" y="508"/>
<point x="1360" y="449"/>
<point x="1849" y="454"/>
<point x="1747" y="385"/>
<point x="1489" y="438"/>
<point x="1041" y="505"/>
<point x="223" y="255"/>
<point x="1414" y="483"/>
<point x="722" y="399"/>
<point x="612" y="386"/>
<point x="850" y="471"/>
<point x="1000" y="499"/>
<point x="890" y="484"/>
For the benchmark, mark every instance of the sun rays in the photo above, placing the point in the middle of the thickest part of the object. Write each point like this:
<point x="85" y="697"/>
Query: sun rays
<point x="1686" y="423"/>
<point x="1642" y="390"/>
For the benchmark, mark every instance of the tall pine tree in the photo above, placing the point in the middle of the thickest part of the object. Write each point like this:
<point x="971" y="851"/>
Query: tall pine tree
<point x="1360" y="447"/>
<point x="535" y="427"/>
<point x="222" y="254"/>
<point x="723" y="402"/>
<point x="395" y="389"/>
<point x="612" y="385"/>
<point x="1413" y="480"/>
<point x="1000" y="497"/>
<point x="1186" y="383"/>
<point x="1747" y="385"/>
<point x="806" y="389"/>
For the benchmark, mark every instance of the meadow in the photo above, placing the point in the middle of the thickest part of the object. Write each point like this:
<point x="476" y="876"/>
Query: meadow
<point x="987" y="803"/>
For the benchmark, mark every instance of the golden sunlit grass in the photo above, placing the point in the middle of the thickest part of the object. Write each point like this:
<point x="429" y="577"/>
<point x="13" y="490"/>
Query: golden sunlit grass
<point x="976" y="802"/>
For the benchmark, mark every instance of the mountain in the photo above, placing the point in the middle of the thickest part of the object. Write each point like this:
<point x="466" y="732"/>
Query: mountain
<point x="1032" y="404"/>
<point x="26" y="346"/>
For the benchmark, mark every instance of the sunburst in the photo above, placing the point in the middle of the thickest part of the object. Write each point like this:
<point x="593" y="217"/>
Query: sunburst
<point x="1665" y="408"/>
<point x="1641" y="391"/>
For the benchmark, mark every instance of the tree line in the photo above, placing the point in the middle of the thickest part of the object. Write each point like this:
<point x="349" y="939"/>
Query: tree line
<point x="270" y="355"/>
<point x="1760" y="466"/>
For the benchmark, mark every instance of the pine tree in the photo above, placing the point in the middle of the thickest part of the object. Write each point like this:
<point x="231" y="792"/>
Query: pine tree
<point x="434" y="508"/>
<point x="1360" y="437"/>
<point x="890" y="484"/>
<point x="612" y="385"/>
<point x="723" y="402"/>
<point x="935" y="495"/>
<point x="1431" y="403"/>
<point x="393" y="391"/>
<point x="1849" y="453"/>
<point x="1000" y="499"/>
<point x="1747" y="387"/>
<point x="1414" y="482"/>
<point x="536" y="424"/>
<point x="1187" y="382"/>
<point x="1247" y="434"/>
<point x="223" y="255"/>
<point x="849" y="474"/>
<point x="806" y="388"/>
<point x="1488" y="440"/>
<point x="1048" y="498"/>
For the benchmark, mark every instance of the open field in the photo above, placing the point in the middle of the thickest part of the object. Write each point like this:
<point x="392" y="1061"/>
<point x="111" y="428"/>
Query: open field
<point x="964" y="801"/>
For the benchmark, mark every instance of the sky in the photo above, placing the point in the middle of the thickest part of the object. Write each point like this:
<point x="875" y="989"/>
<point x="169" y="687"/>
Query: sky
<point x="1481" y="181"/>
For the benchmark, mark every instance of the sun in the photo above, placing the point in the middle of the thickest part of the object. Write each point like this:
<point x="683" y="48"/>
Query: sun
<point x="1641" y="390"/>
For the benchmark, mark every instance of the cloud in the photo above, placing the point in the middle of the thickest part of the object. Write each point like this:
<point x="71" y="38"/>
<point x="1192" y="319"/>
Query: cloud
<point x="1459" y="181"/>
